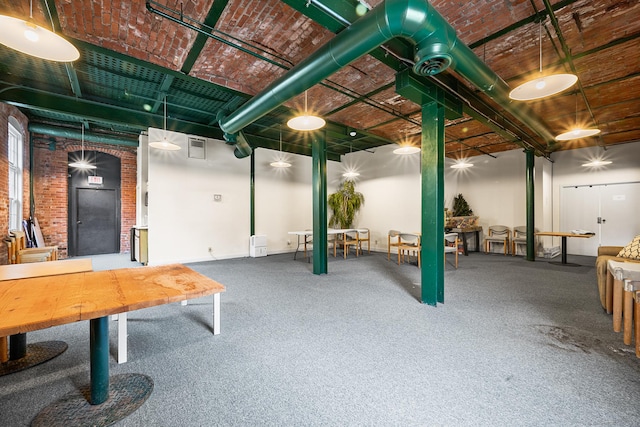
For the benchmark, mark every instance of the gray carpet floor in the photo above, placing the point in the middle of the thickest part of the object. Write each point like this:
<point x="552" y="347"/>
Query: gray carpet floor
<point x="516" y="343"/>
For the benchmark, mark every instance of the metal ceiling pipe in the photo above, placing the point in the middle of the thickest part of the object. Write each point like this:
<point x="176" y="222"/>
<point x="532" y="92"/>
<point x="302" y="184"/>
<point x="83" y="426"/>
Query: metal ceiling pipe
<point x="76" y="134"/>
<point x="437" y="47"/>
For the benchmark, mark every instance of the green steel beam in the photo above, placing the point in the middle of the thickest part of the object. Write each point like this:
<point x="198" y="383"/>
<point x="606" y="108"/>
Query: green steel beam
<point x="101" y="113"/>
<point x="201" y="39"/>
<point x="531" y="220"/>
<point x="319" y="183"/>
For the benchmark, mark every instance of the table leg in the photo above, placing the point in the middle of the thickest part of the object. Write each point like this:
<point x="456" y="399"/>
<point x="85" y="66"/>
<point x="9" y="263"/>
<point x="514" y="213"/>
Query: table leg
<point x="122" y="337"/>
<point x="17" y="346"/>
<point x="99" y="353"/>
<point x="564" y="249"/>
<point x="617" y="305"/>
<point x="628" y="316"/>
<point x="608" y="293"/>
<point x="636" y="317"/>
<point x="477" y="240"/>
<point x="465" y="249"/>
<point x="216" y="314"/>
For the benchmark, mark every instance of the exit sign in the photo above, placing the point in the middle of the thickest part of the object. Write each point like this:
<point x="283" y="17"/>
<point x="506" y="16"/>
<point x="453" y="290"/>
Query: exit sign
<point x="95" y="180"/>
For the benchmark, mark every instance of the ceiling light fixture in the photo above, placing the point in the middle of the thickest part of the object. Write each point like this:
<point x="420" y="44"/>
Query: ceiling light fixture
<point x="27" y="37"/>
<point x="307" y="121"/>
<point x="82" y="163"/>
<point x="596" y="163"/>
<point x="542" y="86"/>
<point x="281" y="163"/>
<point x="164" y="144"/>
<point x="461" y="163"/>
<point x="407" y="149"/>
<point x="350" y="172"/>
<point x="578" y="132"/>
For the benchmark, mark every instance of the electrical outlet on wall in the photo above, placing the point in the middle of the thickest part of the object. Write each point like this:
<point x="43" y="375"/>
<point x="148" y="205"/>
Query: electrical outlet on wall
<point x="217" y="197"/>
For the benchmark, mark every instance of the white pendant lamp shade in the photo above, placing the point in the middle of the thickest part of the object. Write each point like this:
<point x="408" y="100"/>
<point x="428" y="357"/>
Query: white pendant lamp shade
<point x="597" y="162"/>
<point x="578" y="131"/>
<point x="461" y="164"/>
<point x="577" y="134"/>
<point x="542" y="86"/>
<point x="351" y="174"/>
<point x="164" y="143"/>
<point x="306" y="122"/>
<point x="27" y="37"/>
<point x="82" y="163"/>
<point x="280" y="163"/>
<point x="407" y="149"/>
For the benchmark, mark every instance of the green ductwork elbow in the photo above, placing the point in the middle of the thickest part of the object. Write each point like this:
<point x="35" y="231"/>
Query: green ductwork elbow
<point x="437" y="47"/>
<point x="243" y="149"/>
<point x="76" y="134"/>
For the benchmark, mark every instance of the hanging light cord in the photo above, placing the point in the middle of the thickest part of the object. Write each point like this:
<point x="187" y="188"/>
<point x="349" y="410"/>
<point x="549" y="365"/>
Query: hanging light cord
<point x="540" y="43"/>
<point x="82" y="142"/>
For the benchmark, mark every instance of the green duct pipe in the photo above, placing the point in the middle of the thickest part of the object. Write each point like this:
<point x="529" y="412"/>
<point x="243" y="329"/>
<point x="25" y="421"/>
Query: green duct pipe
<point x="76" y="134"/>
<point x="437" y="47"/>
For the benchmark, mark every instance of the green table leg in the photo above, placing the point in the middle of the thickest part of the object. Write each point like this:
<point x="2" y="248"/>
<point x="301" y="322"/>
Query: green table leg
<point x="99" y="348"/>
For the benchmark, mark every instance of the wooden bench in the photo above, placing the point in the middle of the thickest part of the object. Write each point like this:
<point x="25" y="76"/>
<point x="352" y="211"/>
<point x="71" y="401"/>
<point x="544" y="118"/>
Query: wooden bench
<point x="39" y="269"/>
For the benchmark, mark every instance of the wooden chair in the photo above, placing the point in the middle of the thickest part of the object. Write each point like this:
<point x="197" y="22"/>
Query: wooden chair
<point x="451" y="245"/>
<point x="409" y="242"/>
<point x="344" y="240"/>
<point x="520" y="238"/>
<point x="364" y="236"/>
<point x="497" y="234"/>
<point x="393" y="240"/>
<point x="20" y="253"/>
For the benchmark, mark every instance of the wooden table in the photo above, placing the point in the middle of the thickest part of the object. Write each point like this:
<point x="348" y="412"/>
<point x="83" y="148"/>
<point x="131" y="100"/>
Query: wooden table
<point x="564" y="236"/>
<point x="463" y="231"/>
<point x="36" y="303"/>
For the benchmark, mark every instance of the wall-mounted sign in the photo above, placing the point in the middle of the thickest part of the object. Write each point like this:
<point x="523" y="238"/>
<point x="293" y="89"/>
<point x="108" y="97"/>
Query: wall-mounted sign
<point x="95" y="180"/>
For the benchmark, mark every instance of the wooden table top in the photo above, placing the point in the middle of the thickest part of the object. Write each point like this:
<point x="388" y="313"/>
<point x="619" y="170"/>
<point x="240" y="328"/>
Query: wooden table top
<point x="562" y="234"/>
<point x="40" y="302"/>
<point x="49" y="268"/>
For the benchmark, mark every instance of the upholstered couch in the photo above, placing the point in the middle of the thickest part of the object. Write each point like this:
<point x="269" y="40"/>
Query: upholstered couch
<point x="605" y="253"/>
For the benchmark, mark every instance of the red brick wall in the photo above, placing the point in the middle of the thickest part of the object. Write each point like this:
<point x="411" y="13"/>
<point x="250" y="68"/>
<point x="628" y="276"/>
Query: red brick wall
<point x="7" y="111"/>
<point x="51" y="187"/>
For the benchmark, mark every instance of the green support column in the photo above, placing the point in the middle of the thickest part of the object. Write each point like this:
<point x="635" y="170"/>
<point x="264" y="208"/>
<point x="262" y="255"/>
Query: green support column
<point x="531" y="223"/>
<point x="432" y="273"/>
<point x="431" y="98"/>
<point x="252" y="202"/>
<point x="320" y="246"/>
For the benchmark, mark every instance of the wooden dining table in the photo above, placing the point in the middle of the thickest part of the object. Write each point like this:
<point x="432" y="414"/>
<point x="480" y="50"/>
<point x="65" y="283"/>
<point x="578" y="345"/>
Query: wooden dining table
<point x="36" y="303"/>
<point x="563" y="235"/>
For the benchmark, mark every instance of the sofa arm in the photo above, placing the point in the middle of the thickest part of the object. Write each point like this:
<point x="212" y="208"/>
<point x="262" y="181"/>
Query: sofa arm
<point x="609" y="250"/>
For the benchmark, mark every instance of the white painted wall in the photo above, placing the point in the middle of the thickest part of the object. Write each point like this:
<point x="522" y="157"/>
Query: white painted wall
<point x="184" y="221"/>
<point x="183" y="218"/>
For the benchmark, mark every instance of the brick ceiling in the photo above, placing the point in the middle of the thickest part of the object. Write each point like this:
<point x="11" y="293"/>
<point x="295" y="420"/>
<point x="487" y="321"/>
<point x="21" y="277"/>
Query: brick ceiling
<point x="257" y="41"/>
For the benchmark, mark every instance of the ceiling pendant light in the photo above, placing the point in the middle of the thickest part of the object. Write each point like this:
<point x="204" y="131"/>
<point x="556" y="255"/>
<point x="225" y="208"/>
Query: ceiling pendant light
<point x="27" y="37"/>
<point x="578" y="132"/>
<point x="307" y="121"/>
<point x="461" y="163"/>
<point x="281" y="163"/>
<point x="164" y="143"/>
<point x="597" y="162"/>
<point x="82" y="163"/>
<point x="350" y="173"/>
<point x="543" y="86"/>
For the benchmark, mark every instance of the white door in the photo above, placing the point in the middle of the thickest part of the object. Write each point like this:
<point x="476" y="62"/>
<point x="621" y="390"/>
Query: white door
<point x="609" y="210"/>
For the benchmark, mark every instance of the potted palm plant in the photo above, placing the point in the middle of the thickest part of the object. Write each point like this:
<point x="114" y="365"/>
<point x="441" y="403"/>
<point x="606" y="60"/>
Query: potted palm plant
<point x="345" y="204"/>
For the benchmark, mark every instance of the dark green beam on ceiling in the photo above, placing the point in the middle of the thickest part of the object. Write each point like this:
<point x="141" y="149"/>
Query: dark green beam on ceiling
<point x="210" y="22"/>
<point x="101" y="113"/>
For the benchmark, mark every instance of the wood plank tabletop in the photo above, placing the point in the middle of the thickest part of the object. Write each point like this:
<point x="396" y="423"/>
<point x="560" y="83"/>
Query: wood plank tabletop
<point x="562" y="234"/>
<point x="49" y="268"/>
<point x="40" y="302"/>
